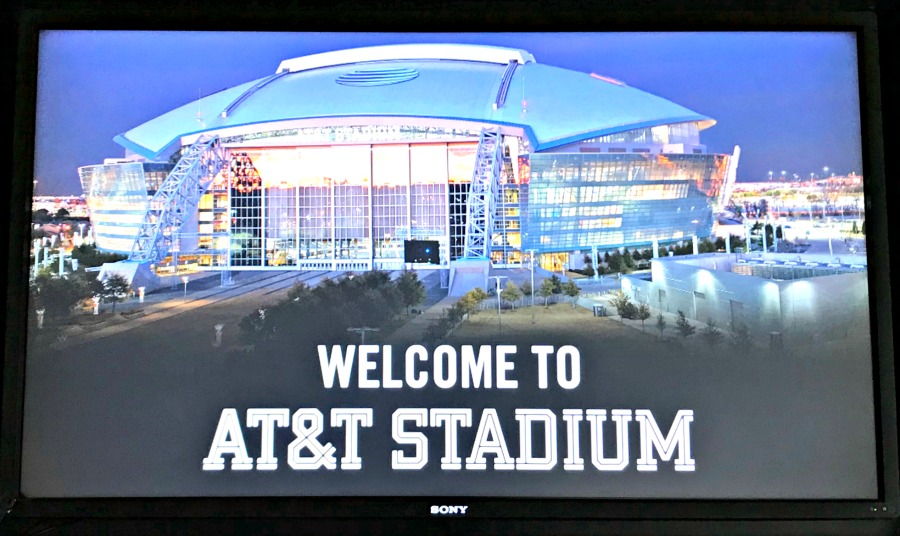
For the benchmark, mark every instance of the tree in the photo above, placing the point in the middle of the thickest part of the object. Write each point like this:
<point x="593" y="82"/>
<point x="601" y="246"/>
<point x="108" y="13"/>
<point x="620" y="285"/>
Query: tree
<point x="62" y="213"/>
<point x="660" y="324"/>
<point x="616" y="263"/>
<point x="252" y="328"/>
<point x="707" y="246"/>
<point x="855" y="229"/>
<point x="40" y="215"/>
<point x="412" y="291"/>
<point x="620" y="300"/>
<point x="526" y="289"/>
<point x="115" y="288"/>
<point x="511" y="293"/>
<point x="623" y="305"/>
<point x="643" y="313"/>
<point x="628" y="261"/>
<point x="685" y="329"/>
<point x="546" y="290"/>
<point x="557" y="284"/>
<point x="740" y="339"/>
<point x="90" y="256"/>
<point x="571" y="290"/>
<point x="58" y="295"/>
<point x="710" y="334"/>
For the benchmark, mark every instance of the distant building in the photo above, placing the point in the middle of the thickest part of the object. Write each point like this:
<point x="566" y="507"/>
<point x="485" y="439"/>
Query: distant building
<point x="75" y="205"/>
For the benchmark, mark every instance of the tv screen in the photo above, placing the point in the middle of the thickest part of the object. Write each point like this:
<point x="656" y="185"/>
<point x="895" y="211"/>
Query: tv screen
<point x="492" y="275"/>
<point x="422" y="251"/>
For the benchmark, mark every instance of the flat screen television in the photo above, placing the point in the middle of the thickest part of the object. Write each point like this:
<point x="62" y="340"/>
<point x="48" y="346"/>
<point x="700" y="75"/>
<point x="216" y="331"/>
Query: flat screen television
<point x="660" y="301"/>
<point x="422" y="251"/>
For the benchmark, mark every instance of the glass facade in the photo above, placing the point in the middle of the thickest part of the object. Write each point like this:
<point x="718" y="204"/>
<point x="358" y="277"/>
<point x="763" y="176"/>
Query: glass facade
<point x="352" y="206"/>
<point x="116" y="196"/>
<point x="579" y="201"/>
<point x="687" y="133"/>
<point x="348" y="205"/>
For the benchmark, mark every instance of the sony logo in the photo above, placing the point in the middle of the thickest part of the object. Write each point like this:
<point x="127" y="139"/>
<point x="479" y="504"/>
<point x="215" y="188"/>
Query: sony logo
<point x="449" y="510"/>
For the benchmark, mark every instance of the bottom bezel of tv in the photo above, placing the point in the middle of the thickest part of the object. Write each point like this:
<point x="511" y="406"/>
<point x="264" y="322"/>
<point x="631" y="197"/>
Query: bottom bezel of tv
<point x="457" y="507"/>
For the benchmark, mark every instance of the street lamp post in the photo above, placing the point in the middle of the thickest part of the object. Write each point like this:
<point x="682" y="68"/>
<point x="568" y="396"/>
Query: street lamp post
<point x="37" y="256"/>
<point x="497" y="278"/>
<point x="531" y="253"/>
<point x="362" y="332"/>
<point x="218" y="341"/>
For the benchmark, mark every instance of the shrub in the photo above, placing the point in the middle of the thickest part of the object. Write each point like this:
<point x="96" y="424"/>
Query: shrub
<point x="660" y="324"/>
<point x="642" y="313"/>
<point x="685" y="329"/>
<point x="710" y="334"/>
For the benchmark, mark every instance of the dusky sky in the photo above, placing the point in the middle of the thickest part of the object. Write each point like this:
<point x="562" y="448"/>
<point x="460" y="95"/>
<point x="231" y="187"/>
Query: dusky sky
<point x="790" y="100"/>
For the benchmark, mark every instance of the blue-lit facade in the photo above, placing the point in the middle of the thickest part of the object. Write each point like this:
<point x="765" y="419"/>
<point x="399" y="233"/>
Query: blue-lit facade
<point x="117" y="194"/>
<point x="339" y="181"/>
<point x="586" y="200"/>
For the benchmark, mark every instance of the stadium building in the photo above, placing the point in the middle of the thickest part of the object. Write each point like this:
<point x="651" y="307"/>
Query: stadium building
<point x="338" y="159"/>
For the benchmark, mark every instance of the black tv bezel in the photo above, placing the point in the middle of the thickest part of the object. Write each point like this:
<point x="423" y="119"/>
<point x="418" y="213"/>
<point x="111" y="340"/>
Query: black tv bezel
<point x="492" y="515"/>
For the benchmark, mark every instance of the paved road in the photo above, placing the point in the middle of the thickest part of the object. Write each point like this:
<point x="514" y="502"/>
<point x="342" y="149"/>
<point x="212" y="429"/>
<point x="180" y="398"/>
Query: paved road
<point x="206" y="303"/>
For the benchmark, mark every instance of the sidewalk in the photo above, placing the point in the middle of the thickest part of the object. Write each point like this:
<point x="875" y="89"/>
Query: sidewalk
<point x="650" y="327"/>
<point x="412" y="331"/>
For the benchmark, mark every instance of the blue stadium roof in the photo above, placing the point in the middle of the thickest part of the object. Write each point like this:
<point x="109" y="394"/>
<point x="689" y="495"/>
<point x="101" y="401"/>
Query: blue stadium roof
<point x="493" y="85"/>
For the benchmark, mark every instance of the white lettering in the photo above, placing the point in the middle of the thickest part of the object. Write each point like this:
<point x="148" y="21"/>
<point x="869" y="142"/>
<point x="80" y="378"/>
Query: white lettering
<point x="267" y="419"/>
<point x="568" y="355"/>
<point x="419" y="417"/>
<point x="414" y="352"/>
<point x="679" y="436"/>
<point x="389" y="382"/>
<point x="542" y="352"/>
<point x="229" y="439"/>
<point x="448" y="381"/>
<point x="621" y="417"/>
<point x="489" y="440"/>
<point x="479" y="370"/>
<point x="573" y="460"/>
<point x="366" y="365"/>
<point x="351" y="419"/>
<point x="320" y="455"/>
<point x="336" y="362"/>
<point x="527" y="461"/>
<point x="504" y="366"/>
<point x="451" y="419"/>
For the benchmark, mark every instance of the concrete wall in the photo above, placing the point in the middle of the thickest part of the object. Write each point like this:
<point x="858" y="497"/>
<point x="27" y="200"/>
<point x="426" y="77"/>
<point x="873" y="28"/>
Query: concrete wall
<point x="816" y="309"/>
